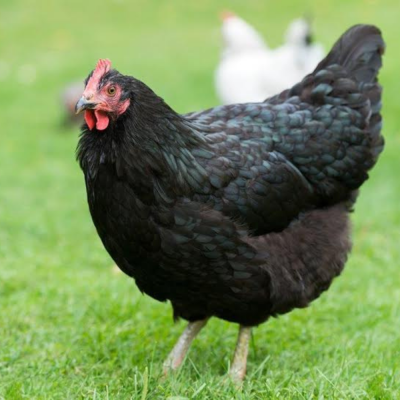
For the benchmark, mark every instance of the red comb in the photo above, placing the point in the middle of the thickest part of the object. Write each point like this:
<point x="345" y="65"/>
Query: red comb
<point x="226" y="14"/>
<point x="102" y="67"/>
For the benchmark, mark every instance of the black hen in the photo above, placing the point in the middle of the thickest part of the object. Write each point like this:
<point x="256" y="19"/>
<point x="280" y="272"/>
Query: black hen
<point x="240" y="211"/>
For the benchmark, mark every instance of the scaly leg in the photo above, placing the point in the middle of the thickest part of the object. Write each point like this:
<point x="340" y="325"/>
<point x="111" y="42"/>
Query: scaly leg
<point x="178" y="353"/>
<point x="238" y="367"/>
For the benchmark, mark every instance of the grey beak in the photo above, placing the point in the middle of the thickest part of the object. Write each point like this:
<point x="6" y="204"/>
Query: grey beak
<point x="84" y="104"/>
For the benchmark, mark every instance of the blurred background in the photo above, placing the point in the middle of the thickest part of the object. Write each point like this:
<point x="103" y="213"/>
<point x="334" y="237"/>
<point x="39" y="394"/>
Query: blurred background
<point x="69" y="324"/>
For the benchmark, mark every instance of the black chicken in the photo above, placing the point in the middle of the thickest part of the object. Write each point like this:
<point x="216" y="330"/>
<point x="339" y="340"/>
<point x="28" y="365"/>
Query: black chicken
<point x="242" y="211"/>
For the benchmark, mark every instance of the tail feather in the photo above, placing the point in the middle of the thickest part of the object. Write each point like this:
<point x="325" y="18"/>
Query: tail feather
<point x="345" y="86"/>
<point x="359" y="51"/>
<point x="348" y="76"/>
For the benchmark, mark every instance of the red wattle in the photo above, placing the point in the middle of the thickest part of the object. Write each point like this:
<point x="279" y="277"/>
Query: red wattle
<point x="90" y="119"/>
<point x="102" y="120"/>
<point x="96" y="118"/>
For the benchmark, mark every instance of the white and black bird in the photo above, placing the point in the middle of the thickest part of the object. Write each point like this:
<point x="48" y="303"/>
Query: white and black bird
<point x="250" y="71"/>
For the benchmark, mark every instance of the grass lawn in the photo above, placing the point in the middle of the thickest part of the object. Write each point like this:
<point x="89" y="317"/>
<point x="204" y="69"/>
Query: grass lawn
<point x="70" y="326"/>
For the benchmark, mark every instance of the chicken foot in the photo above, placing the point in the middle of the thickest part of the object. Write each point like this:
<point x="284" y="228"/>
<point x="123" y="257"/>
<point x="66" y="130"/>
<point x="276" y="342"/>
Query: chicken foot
<point x="178" y="353"/>
<point x="238" y="367"/>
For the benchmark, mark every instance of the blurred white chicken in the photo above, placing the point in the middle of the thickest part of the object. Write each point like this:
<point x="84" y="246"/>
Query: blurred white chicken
<point x="249" y="71"/>
<point x="299" y="47"/>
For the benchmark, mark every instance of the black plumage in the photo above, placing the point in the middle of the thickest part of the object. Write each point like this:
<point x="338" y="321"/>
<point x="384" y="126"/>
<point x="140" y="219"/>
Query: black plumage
<point x="239" y="211"/>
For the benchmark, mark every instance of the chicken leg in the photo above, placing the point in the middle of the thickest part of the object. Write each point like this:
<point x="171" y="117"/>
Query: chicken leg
<point x="178" y="353"/>
<point x="238" y="367"/>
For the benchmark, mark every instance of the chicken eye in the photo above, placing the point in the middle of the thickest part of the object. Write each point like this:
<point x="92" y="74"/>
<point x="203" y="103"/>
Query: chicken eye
<point x="111" y="91"/>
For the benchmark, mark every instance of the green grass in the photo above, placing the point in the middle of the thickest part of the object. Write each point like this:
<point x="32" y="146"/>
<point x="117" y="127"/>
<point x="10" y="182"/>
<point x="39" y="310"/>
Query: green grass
<point x="70" y="327"/>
